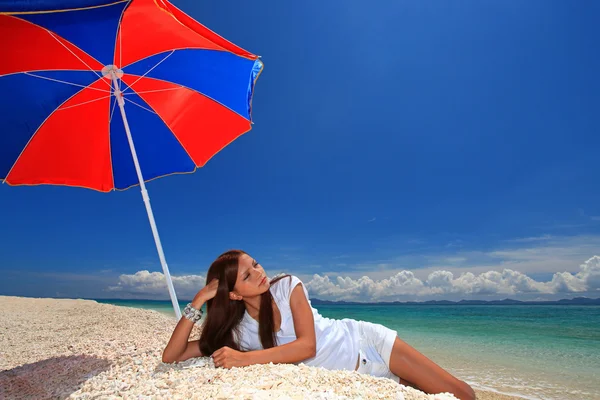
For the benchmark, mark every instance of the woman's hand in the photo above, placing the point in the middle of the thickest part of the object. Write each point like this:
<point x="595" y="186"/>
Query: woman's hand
<point x="227" y="357"/>
<point x="206" y="293"/>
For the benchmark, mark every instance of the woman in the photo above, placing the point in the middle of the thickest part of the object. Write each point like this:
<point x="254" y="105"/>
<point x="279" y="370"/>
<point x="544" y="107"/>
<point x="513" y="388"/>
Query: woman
<point x="251" y="320"/>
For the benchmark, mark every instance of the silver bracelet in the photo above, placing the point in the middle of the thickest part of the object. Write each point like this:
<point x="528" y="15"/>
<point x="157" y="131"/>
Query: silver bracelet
<point x="192" y="314"/>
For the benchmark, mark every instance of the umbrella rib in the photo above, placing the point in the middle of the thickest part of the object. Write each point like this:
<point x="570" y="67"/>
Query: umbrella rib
<point x="65" y="82"/>
<point x="70" y="51"/>
<point x="173" y="49"/>
<point x="108" y="131"/>
<point x="157" y="90"/>
<point x="202" y="94"/>
<point x="147" y="72"/>
<point x="85" y="102"/>
<point x="140" y="106"/>
<point x="113" y="110"/>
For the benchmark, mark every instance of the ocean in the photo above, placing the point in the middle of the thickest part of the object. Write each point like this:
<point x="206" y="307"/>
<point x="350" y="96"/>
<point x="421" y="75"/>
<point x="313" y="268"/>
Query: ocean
<point x="532" y="351"/>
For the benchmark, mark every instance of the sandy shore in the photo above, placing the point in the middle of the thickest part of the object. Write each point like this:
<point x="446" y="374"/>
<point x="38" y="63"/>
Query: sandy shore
<point x="81" y="349"/>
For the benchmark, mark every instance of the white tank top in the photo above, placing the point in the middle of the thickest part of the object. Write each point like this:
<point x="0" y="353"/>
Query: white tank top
<point x="337" y="340"/>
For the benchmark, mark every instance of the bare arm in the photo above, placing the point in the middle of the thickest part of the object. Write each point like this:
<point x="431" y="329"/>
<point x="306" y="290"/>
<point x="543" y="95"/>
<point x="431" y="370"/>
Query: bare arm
<point x="178" y="348"/>
<point x="305" y="345"/>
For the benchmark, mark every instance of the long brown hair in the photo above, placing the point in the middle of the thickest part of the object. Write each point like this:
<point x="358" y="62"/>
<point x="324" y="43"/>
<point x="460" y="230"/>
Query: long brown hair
<point x="224" y="315"/>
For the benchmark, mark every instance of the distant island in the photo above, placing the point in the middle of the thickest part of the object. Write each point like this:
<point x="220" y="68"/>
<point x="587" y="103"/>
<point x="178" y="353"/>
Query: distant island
<point x="577" y="301"/>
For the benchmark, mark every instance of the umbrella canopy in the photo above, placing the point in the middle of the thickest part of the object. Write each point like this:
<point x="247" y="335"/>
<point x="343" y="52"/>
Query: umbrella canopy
<point x="71" y="67"/>
<point x="190" y="92"/>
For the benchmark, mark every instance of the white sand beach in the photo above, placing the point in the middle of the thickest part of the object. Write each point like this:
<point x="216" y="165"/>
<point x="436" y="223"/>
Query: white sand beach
<point x="80" y="349"/>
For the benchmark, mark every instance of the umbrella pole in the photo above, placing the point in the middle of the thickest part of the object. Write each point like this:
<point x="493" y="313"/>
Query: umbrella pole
<point x="161" y="254"/>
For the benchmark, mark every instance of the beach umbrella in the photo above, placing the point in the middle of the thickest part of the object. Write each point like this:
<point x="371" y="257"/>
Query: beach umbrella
<point x="106" y="95"/>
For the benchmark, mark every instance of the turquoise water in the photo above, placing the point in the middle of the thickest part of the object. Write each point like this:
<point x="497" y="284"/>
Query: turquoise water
<point x="539" y="352"/>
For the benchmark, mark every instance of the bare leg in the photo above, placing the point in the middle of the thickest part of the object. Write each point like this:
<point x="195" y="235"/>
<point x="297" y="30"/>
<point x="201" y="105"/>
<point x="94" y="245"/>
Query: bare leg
<point x="409" y="364"/>
<point x="407" y="383"/>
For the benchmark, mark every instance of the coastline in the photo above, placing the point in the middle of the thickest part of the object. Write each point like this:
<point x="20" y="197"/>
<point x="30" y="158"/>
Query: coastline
<point x="73" y="348"/>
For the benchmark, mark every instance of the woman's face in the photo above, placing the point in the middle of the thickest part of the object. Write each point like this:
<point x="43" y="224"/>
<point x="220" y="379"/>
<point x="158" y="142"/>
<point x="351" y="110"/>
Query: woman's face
<point x="251" y="279"/>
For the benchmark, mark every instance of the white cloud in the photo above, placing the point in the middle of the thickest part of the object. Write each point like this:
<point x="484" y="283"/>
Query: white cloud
<point x="507" y="282"/>
<point x="401" y="285"/>
<point x="439" y="283"/>
<point x="530" y="255"/>
<point x="531" y="239"/>
<point x="154" y="284"/>
<point x="587" y="279"/>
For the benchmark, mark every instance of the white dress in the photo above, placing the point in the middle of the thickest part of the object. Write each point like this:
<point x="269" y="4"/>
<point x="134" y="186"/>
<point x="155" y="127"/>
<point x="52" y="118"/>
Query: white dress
<point x="338" y="341"/>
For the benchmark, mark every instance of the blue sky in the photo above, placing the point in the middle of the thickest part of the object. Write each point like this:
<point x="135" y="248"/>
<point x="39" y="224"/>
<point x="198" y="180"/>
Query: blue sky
<point x="392" y="140"/>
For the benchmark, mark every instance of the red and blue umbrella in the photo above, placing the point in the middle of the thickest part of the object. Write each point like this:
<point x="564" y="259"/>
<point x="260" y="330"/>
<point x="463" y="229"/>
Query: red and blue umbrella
<point x="106" y="95"/>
